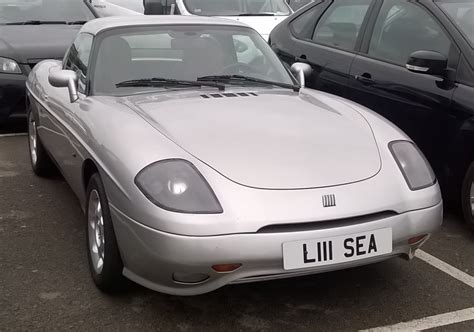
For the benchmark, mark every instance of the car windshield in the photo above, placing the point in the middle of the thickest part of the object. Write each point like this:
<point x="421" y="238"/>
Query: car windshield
<point x="43" y="11"/>
<point x="133" y="59"/>
<point x="237" y="7"/>
<point x="462" y="13"/>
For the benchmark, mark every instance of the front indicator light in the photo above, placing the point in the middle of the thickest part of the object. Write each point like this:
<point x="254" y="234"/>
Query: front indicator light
<point x="226" y="268"/>
<point x="416" y="239"/>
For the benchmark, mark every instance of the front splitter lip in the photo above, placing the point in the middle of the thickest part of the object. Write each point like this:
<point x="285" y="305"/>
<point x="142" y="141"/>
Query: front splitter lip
<point x="151" y="257"/>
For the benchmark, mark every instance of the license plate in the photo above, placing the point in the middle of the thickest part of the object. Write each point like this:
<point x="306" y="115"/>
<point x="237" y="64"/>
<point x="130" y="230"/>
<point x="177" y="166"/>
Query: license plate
<point x="338" y="249"/>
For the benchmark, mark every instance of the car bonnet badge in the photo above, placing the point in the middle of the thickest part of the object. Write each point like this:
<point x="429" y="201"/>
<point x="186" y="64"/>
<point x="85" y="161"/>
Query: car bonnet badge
<point x="329" y="200"/>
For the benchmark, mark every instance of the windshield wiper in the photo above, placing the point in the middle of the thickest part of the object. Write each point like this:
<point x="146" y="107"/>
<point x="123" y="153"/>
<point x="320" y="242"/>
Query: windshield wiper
<point x="77" y="22"/>
<point x="256" y="14"/>
<point x="32" y="22"/>
<point x="240" y="79"/>
<point x="165" y="82"/>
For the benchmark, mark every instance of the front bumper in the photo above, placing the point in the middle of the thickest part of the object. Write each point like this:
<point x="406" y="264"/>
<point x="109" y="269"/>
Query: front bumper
<point x="151" y="257"/>
<point x="12" y="95"/>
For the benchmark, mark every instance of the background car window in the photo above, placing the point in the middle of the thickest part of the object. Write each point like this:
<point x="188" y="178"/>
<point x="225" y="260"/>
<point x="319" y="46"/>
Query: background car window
<point x="404" y="27"/>
<point x="462" y="13"/>
<point x="43" y="10"/>
<point x="303" y="26"/>
<point x="78" y="58"/>
<point x="340" y="25"/>
<point x="132" y="5"/>
<point x="236" y="7"/>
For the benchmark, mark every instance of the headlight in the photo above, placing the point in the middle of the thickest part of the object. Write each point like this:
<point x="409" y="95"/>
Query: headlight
<point x="176" y="185"/>
<point x="9" y="66"/>
<point x="413" y="164"/>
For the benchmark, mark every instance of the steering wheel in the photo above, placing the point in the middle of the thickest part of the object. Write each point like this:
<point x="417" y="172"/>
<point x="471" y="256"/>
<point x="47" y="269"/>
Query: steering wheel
<point x="238" y="69"/>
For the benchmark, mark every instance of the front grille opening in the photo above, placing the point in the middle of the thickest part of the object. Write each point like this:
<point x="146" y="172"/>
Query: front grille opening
<point x="315" y="225"/>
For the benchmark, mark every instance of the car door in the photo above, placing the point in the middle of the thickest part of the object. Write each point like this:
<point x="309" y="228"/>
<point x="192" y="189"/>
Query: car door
<point x="418" y="103"/>
<point x="62" y="122"/>
<point x="327" y="36"/>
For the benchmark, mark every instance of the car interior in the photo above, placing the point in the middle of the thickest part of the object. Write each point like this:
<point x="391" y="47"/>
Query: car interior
<point x="175" y="57"/>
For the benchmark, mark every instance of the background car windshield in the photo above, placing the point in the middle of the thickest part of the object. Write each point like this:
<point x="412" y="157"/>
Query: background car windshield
<point x="43" y="10"/>
<point x="135" y="5"/>
<point x="182" y="53"/>
<point x="462" y="13"/>
<point x="236" y="7"/>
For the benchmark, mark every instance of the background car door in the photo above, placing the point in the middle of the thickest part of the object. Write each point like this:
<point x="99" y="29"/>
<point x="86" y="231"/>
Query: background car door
<point x="327" y="36"/>
<point x="419" y="104"/>
<point x="62" y="122"/>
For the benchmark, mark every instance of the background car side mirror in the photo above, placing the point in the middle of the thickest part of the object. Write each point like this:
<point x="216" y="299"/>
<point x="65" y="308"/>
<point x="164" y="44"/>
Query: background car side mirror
<point x="301" y="71"/>
<point x="63" y="79"/>
<point x="153" y="7"/>
<point x="427" y="62"/>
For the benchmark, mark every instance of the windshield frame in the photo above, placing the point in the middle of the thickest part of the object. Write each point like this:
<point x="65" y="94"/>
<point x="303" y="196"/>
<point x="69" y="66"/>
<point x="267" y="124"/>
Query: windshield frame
<point x="440" y="3"/>
<point x="85" y="3"/>
<point x="91" y="91"/>
<point x="290" y="11"/>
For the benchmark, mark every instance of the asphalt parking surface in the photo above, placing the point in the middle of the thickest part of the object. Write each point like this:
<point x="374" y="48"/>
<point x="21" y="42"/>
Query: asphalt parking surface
<point x="45" y="283"/>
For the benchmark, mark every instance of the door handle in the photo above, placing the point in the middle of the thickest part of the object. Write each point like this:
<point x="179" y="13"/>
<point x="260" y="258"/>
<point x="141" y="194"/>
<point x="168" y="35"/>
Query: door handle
<point x="364" y="78"/>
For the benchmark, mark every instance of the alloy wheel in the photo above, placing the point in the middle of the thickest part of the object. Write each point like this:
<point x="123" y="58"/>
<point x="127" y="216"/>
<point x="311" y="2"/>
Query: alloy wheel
<point x="95" y="230"/>
<point x="33" y="139"/>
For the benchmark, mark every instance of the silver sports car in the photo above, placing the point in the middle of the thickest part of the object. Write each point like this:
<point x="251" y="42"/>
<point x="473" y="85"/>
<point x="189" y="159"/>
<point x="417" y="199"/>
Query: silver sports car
<point x="201" y="161"/>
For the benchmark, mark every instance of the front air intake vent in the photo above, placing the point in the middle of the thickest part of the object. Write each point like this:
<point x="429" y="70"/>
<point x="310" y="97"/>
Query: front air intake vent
<point x="229" y="95"/>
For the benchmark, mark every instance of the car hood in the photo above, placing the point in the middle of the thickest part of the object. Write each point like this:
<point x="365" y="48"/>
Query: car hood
<point x="32" y="43"/>
<point x="270" y="140"/>
<point x="262" y="24"/>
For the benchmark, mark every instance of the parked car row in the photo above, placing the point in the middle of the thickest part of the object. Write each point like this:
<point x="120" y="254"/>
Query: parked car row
<point x="262" y="15"/>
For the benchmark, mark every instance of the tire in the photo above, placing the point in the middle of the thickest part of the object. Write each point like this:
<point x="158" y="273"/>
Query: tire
<point x="40" y="161"/>
<point x="105" y="263"/>
<point x="467" y="196"/>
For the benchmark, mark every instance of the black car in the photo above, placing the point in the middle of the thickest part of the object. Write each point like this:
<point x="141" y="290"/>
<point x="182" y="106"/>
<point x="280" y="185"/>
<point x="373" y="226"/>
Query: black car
<point x="31" y="31"/>
<point x="411" y="61"/>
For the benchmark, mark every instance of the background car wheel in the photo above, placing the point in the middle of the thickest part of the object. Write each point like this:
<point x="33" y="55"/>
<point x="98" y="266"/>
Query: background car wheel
<point x="468" y="196"/>
<point x="105" y="262"/>
<point x="40" y="160"/>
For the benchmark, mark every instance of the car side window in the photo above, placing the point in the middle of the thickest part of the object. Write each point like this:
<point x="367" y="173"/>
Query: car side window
<point x="302" y="27"/>
<point x="403" y="27"/>
<point x="163" y="7"/>
<point x="341" y="24"/>
<point x="77" y="59"/>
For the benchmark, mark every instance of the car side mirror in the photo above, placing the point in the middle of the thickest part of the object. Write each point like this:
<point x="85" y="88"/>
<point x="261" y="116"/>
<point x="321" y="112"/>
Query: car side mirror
<point x="427" y="62"/>
<point x="301" y="71"/>
<point x="65" y="79"/>
<point x="153" y="7"/>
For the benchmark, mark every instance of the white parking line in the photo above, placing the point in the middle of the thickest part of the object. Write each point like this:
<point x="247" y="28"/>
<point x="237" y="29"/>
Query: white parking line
<point x="446" y="268"/>
<point x="429" y="322"/>
<point x="13" y="135"/>
<point x="437" y="320"/>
